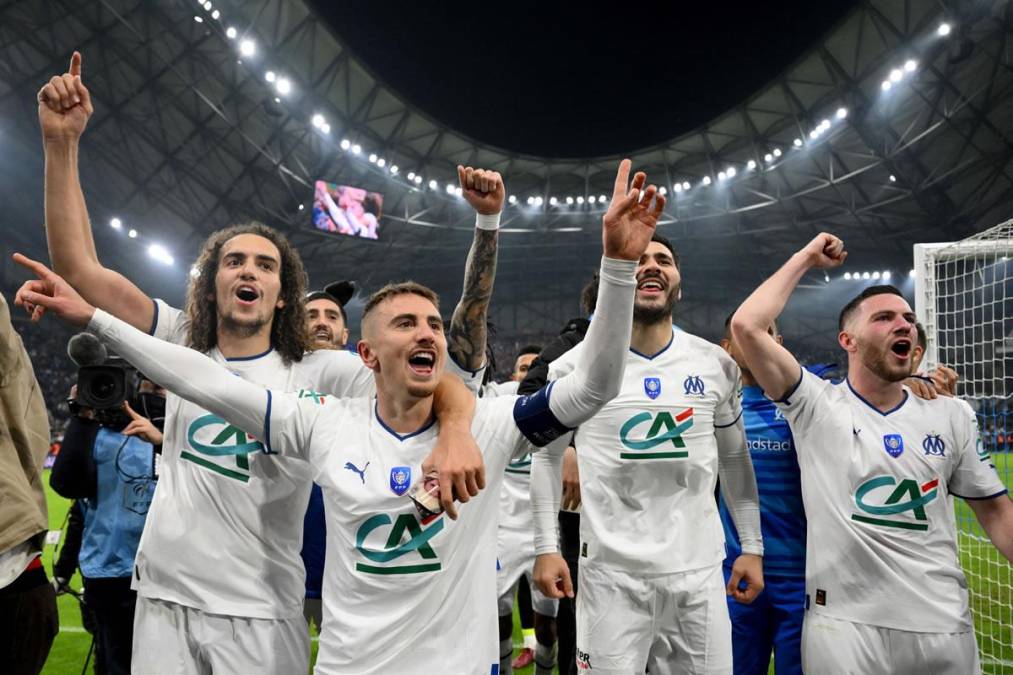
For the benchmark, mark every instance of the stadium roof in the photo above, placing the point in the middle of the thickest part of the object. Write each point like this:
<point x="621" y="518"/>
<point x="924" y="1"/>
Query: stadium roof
<point x="189" y="135"/>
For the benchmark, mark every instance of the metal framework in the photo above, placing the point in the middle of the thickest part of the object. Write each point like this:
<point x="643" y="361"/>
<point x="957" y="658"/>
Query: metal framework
<point x="188" y="137"/>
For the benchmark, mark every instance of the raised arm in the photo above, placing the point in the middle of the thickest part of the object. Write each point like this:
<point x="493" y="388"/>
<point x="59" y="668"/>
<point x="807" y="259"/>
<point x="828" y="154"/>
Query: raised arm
<point x="185" y="372"/>
<point x="467" y="337"/>
<point x="562" y="405"/>
<point x="771" y="364"/>
<point x="64" y="109"/>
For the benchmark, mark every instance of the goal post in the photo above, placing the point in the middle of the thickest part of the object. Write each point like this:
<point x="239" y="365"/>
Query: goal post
<point x="964" y="300"/>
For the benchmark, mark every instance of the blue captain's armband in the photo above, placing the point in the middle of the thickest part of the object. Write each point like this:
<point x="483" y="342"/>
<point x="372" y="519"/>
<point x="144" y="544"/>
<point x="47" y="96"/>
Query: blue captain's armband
<point x="535" y="418"/>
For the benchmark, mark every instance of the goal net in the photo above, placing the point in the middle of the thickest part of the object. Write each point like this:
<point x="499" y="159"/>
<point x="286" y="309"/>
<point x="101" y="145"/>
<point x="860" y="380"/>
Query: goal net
<point x="964" y="299"/>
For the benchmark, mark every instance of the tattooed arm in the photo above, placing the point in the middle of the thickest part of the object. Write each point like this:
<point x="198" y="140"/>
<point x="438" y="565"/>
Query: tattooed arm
<point x="467" y="338"/>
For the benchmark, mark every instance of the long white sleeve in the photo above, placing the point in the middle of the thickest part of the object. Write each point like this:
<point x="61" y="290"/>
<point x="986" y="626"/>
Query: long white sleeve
<point x="546" y="488"/>
<point x="738" y="485"/>
<point x="194" y="377"/>
<point x="598" y="375"/>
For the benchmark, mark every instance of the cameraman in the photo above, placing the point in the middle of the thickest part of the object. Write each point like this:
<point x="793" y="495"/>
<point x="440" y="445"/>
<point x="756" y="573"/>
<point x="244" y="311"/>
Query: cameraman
<point x="108" y="463"/>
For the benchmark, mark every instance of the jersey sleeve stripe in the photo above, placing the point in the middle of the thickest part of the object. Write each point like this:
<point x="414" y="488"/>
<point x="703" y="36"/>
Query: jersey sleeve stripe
<point x="974" y="499"/>
<point x="154" y="318"/>
<point x="725" y="426"/>
<point x="267" y="426"/>
<point x="788" y="394"/>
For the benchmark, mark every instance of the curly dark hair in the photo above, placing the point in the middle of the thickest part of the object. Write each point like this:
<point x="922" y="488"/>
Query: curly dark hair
<point x="288" y="328"/>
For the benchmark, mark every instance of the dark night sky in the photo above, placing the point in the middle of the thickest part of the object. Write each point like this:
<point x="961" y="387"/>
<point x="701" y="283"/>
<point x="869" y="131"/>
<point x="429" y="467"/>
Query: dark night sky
<point x="569" y="80"/>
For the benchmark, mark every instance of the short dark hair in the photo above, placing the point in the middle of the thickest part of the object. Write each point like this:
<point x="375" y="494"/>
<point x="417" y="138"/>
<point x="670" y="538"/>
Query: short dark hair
<point x="529" y="349"/>
<point x="589" y="295"/>
<point x="871" y="291"/>
<point x="922" y="335"/>
<point x="403" y="288"/>
<point x="324" y="295"/>
<point x="664" y="241"/>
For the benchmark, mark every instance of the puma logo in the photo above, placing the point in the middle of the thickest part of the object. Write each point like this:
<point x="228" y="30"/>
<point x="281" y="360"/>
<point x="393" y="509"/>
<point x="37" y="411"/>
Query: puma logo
<point x="362" y="473"/>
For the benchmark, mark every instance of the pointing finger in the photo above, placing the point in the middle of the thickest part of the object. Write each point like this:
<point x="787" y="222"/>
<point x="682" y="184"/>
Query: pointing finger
<point x="75" y="64"/>
<point x="622" y="179"/>
<point x="35" y="266"/>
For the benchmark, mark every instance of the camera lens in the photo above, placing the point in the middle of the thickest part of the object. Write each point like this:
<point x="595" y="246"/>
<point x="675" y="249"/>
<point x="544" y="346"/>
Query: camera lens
<point x="103" y="387"/>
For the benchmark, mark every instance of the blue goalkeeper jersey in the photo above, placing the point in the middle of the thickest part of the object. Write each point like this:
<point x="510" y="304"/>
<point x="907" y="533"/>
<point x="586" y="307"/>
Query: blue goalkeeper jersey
<point x="782" y="516"/>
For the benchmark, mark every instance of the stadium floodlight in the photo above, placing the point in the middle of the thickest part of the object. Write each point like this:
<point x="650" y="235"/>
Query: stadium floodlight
<point x="722" y="175"/>
<point x="797" y="142"/>
<point x="512" y="199"/>
<point x="158" y="252"/>
<point x="318" y="120"/>
<point x="592" y="199"/>
<point x="825" y="124"/>
<point x="208" y="5"/>
<point x="198" y="18"/>
<point x="569" y="200"/>
<point x="896" y="74"/>
<point x="730" y="172"/>
<point x="302" y="207"/>
<point x="458" y="191"/>
<point x="116" y="223"/>
<point x="247" y="47"/>
<point x="580" y="199"/>
<point x="706" y="180"/>
<point x="270" y="76"/>
<point x="381" y="162"/>
<point x="539" y="201"/>
<point x="433" y="184"/>
<point x="372" y="158"/>
<point x="601" y="198"/>
<point x="662" y="191"/>
<point x="911" y="274"/>
<point x="356" y="149"/>
<point x="893" y="179"/>
<point x="886" y="85"/>
<point x="531" y="201"/>
<point x="751" y="164"/>
<point x="813" y="134"/>
<point x="768" y="157"/>
<point x="553" y="201"/>
<point x="393" y="169"/>
<point x="943" y="30"/>
<point x="231" y="32"/>
<point x="326" y="128"/>
<point x="345" y="144"/>
<point x="777" y="152"/>
<point x="847" y="276"/>
<point x="887" y="275"/>
<point x="910" y="65"/>
<point x="450" y="188"/>
<point x="677" y="187"/>
<point x="284" y="86"/>
<point x="411" y="175"/>
<point x="418" y="179"/>
<point x="875" y="275"/>
<point x="215" y="14"/>
<point x="866" y="275"/>
<point x="842" y="113"/>
<point x="132" y="234"/>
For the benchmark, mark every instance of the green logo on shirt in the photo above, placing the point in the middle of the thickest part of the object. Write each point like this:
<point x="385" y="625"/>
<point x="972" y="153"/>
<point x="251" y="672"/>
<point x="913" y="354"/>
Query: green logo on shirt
<point x="663" y="429"/>
<point x="869" y="497"/>
<point x="522" y="465"/>
<point x="408" y="537"/>
<point x="230" y="445"/>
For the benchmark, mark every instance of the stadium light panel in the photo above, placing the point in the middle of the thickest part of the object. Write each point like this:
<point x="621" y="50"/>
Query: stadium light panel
<point x="813" y="134"/>
<point x="116" y="223"/>
<point x="512" y="199"/>
<point x="662" y="191"/>
<point x="911" y="274"/>
<point x="411" y="175"/>
<point x="450" y="188"/>
<point x="215" y="14"/>
<point x="866" y="275"/>
<point x="943" y="30"/>
<point x="356" y="149"/>
<point x="318" y="120"/>
<point x="730" y="172"/>
<point x="910" y="65"/>
<point x="777" y="152"/>
<point x="302" y="207"/>
<point x="677" y="187"/>
<point x="231" y="32"/>
<point x="132" y="234"/>
<point x="418" y="179"/>
<point x="198" y="19"/>
<point x="284" y="86"/>
<point x="751" y="164"/>
<point x="706" y="180"/>
<point x="797" y="142"/>
<point x="592" y="199"/>
<point x="825" y="124"/>
<point x="847" y="276"/>
<point x="893" y="179"/>
<point x="393" y="169"/>
<point x="887" y="275"/>
<point x="433" y="184"/>
<point x="372" y="158"/>
<point x="580" y="200"/>
<point x="896" y="74"/>
<point x="553" y="201"/>
<point x="842" y="113"/>
<point x="247" y="48"/>
<point x="768" y="157"/>
<point x="208" y="5"/>
<point x="531" y="201"/>
<point x="326" y="128"/>
<point x="381" y="162"/>
<point x="886" y="85"/>
<point x="601" y="198"/>
<point x="539" y="201"/>
<point x="569" y="200"/>
<point x="270" y="76"/>
<point x="458" y="191"/>
<point x="722" y="175"/>
<point x="875" y="275"/>
<point x="345" y="144"/>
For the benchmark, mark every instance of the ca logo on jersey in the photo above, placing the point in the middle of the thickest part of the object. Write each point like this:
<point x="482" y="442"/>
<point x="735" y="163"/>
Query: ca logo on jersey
<point x="662" y="429"/>
<point x="220" y="447"/>
<point x="693" y="386"/>
<point x="888" y="502"/>
<point x="934" y="446"/>
<point x="407" y="539"/>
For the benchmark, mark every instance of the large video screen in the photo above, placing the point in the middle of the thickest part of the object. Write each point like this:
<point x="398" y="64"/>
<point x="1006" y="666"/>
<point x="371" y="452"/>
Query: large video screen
<point x="347" y="210"/>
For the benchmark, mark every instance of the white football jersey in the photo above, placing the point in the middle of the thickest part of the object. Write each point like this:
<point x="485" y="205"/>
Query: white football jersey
<point x="877" y="486"/>
<point x="402" y="593"/>
<point x="224" y="530"/>
<point x="648" y="460"/>
<point x="515" y="501"/>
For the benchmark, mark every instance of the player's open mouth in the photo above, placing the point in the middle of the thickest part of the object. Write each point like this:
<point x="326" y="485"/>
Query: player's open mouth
<point x="247" y="295"/>
<point x="422" y="362"/>
<point x="322" y="334"/>
<point x="901" y="348"/>
<point x="651" y="286"/>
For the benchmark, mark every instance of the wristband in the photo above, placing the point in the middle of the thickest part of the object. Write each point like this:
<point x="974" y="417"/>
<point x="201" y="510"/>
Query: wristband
<point x="484" y="222"/>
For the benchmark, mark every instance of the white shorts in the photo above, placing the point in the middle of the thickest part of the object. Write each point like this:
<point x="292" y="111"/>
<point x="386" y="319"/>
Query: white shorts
<point x="666" y="624"/>
<point x="836" y="647"/>
<point x="171" y="639"/>
<point x="515" y="558"/>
